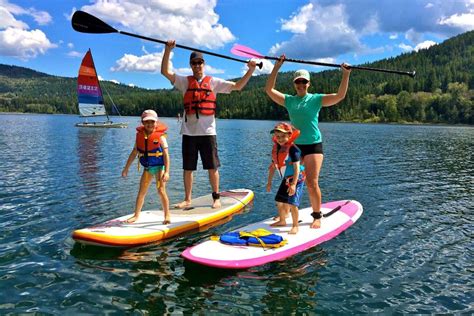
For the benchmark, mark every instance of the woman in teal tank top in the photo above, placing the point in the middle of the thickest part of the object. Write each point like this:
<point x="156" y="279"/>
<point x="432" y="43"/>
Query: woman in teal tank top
<point x="303" y="109"/>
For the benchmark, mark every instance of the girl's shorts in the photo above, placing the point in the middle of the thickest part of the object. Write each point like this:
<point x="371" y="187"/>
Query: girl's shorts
<point x="155" y="169"/>
<point x="283" y="197"/>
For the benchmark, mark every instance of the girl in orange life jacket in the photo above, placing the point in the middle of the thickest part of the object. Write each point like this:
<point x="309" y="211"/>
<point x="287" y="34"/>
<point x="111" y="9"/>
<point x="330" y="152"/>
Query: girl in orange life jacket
<point x="152" y="148"/>
<point x="286" y="159"/>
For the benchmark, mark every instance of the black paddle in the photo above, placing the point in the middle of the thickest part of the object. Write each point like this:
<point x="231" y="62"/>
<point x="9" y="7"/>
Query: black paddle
<point x="244" y="51"/>
<point x="86" y="23"/>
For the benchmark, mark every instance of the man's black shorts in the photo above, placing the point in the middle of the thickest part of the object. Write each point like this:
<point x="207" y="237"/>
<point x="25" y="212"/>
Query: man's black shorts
<point x="207" y="148"/>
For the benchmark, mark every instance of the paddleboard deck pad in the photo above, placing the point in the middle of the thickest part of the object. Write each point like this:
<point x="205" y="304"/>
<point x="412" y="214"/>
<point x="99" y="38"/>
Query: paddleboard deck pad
<point x="338" y="216"/>
<point x="149" y="226"/>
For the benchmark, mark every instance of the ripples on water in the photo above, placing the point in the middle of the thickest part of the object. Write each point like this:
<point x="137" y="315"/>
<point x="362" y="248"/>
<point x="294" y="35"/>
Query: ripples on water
<point x="410" y="252"/>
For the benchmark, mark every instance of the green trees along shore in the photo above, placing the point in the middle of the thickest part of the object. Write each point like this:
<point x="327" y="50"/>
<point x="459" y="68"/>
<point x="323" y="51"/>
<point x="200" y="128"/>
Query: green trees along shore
<point x="441" y="92"/>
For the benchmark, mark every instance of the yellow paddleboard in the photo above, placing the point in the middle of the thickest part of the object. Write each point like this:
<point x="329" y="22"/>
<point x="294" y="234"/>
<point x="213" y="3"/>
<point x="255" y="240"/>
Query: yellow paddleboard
<point x="149" y="227"/>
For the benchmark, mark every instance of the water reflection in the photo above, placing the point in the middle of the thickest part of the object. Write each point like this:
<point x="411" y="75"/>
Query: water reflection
<point x="408" y="253"/>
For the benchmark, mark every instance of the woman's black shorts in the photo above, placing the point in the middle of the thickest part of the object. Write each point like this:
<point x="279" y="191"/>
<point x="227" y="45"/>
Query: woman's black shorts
<point x="311" y="149"/>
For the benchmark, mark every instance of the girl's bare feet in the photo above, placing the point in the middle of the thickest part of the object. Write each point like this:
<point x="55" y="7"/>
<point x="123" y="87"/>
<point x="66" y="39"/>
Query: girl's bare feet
<point x="293" y="230"/>
<point x="279" y="223"/>
<point x="184" y="204"/>
<point x="132" y="219"/>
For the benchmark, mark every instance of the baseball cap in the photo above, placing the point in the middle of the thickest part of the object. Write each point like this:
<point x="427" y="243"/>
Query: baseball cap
<point x="282" y="127"/>
<point x="301" y="74"/>
<point x="149" y="115"/>
<point x="195" y="55"/>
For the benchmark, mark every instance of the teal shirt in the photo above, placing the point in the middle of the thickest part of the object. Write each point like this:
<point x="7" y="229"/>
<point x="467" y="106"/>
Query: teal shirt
<point x="304" y="114"/>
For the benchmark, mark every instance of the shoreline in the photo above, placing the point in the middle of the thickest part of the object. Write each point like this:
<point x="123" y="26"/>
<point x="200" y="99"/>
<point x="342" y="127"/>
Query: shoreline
<point x="249" y="119"/>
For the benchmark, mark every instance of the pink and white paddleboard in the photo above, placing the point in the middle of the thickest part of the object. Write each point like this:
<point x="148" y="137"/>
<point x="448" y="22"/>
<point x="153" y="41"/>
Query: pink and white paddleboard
<point x="342" y="214"/>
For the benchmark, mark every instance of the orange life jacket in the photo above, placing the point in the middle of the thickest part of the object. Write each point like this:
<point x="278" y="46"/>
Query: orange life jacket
<point x="149" y="147"/>
<point x="199" y="98"/>
<point x="280" y="152"/>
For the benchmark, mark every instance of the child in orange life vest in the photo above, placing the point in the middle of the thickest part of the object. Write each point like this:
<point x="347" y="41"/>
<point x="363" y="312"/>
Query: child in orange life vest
<point x="152" y="148"/>
<point x="286" y="159"/>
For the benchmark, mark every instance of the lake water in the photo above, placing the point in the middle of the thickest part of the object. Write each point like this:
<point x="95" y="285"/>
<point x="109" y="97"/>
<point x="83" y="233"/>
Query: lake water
<point x="410" y="252"/>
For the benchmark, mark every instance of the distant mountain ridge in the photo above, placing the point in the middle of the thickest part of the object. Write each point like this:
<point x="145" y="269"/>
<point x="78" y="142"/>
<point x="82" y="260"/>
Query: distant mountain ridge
<point x="443" y="91"/>
<point x="11" y="71"/>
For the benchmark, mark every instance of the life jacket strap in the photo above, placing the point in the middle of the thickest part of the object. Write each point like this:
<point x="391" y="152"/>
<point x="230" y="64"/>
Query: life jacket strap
<point x="157" y="154"/>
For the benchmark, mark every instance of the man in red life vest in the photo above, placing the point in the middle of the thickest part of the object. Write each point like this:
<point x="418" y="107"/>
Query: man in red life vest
<point x="198" y="126"/>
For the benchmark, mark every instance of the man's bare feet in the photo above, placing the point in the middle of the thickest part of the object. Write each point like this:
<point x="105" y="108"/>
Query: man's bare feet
<point x="184" y="204"/>
<point x="316" y="223"/>
<point x="216" y="203"/>
<point x="279" y="223"/>
<point x="166" y="222"/>
<point x="293" y="230"/>
<point x="132" y="219"/>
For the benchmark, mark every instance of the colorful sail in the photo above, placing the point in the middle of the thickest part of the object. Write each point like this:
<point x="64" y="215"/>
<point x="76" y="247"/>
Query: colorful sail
<point x="91" y="102"/>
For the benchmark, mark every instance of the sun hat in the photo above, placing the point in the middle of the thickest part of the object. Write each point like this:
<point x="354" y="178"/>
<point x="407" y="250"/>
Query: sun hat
<point x="149" y="115"/>
<point x="196" y="55"/>
<point x="282" y="127"/>
<point x="301" y="74"/>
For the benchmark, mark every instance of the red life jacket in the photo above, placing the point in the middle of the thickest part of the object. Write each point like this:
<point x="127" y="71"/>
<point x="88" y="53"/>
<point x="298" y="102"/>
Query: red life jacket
<point x="149" y="147"/>
<point x="280" y="152"/>
<point x="199" y="98"/>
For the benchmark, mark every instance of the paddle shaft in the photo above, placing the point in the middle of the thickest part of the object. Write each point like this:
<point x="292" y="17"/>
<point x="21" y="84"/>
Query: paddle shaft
<point x="299" y="61"/>
<point x="188" y="48"/>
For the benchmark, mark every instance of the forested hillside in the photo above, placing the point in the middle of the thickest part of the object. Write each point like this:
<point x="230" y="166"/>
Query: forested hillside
<point x="442" y="92"/>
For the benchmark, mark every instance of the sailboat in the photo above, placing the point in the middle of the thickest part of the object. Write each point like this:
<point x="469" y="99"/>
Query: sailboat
<point x="89" y="93"/>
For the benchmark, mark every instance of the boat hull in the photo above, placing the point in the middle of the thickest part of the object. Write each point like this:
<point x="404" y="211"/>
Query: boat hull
<point x="102" y="124"/>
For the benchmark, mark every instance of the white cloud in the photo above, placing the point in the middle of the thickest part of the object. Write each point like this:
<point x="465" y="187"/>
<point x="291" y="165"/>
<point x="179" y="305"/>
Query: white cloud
<point x="41" y="17"/>
<point x="298" y="22"/>
<point x="322" y="32"/>
<point x="213" y="71"/>
<point x="115" y="81"/>
<point x="328" y="60"/>
<point x="405" y="47"/>
<point x="422" y="16"/>
<point x="422" y="45"/>
<point x="145" y="63"/>
<point x="208" y="70"/>
<point x="8" y="20"/>
<point x="463" y="21"/>
<point x="267" y="67"/>
<point x="23" y="44"/>
<point x="393" y="36"/>
<point x="132" y="85"/>
<point x="413" y="36"/>
<point x="152" y="63"/>
<point x="75" y="54"/>
<point x="16" y="40"/>
<point x="425" y="45"/>
<point x="70" y="45"/>
<point x="190" y="22"/>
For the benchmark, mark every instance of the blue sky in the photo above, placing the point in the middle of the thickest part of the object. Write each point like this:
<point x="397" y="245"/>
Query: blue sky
<point x="38" y="34"/>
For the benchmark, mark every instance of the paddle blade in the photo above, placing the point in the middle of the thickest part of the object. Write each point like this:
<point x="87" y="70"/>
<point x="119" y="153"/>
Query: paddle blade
<point x="86" y="23"/>
<point x="244" y="51"/>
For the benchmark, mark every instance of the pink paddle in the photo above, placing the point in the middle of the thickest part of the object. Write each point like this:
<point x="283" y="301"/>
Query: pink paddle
<point x="244" y="51"/>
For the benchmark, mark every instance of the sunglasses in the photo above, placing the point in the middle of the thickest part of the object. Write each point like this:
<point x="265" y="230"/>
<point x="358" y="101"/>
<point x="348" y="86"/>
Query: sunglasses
<point x="197" y="63"/>
<point x="301" y="81"/>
